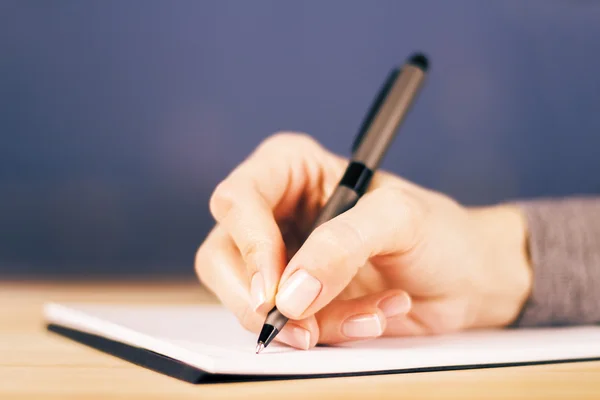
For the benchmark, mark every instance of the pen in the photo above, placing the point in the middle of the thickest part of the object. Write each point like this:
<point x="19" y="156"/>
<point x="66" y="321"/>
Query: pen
<point x="374" y="138"/>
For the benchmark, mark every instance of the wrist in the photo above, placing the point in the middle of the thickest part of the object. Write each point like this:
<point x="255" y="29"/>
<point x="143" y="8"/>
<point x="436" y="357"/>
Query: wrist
<point x="506" y="274"/>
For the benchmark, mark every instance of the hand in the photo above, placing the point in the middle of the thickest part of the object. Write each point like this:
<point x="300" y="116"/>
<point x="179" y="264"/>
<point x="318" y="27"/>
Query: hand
<point x="403" y="261"/>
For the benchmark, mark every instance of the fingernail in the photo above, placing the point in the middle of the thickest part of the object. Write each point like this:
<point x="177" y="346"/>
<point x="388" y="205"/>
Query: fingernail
<point x="257" y="290"/>
<point x="295" y="336"/>
<point x="395" y="305"/>
<point x="362" y="326"/>
<point x="298" y="292"/>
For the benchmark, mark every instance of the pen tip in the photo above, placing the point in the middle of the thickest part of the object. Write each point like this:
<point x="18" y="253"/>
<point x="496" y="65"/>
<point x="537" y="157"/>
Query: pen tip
<point x="260" y="347"/>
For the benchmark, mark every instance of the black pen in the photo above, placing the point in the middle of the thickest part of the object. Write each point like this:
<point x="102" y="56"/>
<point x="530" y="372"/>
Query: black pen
<point x="374" y="138"/>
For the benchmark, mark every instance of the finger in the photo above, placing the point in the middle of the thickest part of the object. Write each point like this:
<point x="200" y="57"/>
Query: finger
<point x="361" y="318"/>
<point x="405" y="325"/>
<point x="302" y="334"/>
<point x="248" y="201"/>
<point x="256" y="235"/>
<point x="221" y="269"/>
<point x="384" y="221"/>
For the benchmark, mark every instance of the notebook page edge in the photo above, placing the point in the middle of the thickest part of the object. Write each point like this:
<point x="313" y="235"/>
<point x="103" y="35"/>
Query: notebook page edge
<point x="68" y="315"/>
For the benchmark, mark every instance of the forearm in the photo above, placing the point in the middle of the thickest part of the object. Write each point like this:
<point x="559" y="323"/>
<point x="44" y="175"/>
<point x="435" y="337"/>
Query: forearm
<point x="564" y="251"/>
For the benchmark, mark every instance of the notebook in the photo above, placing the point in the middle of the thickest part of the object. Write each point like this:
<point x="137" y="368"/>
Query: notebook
<point x="184" y="342"/>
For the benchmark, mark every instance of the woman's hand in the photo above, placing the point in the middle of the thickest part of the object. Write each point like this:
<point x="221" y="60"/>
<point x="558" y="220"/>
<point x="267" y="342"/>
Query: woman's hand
<point x="403" y="261"/>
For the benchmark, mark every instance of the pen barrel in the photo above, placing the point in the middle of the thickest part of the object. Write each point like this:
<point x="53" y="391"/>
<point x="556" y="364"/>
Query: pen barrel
<point x="375" y="137"/>
<point x="342" y="199"/>
<point x="379" y="135"/>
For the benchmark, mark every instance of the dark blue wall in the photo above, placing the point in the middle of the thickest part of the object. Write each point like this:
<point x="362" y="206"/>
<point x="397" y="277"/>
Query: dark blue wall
<point x="117" y="118"/>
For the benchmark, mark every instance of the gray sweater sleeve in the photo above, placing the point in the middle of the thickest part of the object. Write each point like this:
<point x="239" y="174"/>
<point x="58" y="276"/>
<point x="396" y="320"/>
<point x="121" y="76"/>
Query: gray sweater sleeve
<point x="564" y="246"/>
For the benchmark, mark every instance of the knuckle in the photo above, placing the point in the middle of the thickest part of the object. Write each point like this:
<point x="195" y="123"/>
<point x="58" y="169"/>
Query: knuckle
<point x="222" y="200"/>
<point x="401" y="208"/>
<point x="442" y="321"/>
<point x="390" y="197"/>
<point x="253" y="248"/>
<point x="208" y="260"/>
<point x="349" y="234"/>
<point x="201" y="264"/>
<point x="341" y="239"/>
<point x="287" y="141"/>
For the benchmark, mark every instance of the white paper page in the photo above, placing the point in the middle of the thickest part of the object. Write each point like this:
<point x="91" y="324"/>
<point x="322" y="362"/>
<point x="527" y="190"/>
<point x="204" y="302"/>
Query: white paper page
<point x="190" y="334"/>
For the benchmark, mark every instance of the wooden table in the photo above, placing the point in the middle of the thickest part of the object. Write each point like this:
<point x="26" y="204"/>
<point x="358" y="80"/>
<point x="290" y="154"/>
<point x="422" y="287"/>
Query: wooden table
<point x="35" y="364"/>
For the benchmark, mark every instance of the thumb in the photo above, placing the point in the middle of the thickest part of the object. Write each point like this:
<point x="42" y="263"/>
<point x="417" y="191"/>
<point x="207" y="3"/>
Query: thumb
<point x="384" y="221"/>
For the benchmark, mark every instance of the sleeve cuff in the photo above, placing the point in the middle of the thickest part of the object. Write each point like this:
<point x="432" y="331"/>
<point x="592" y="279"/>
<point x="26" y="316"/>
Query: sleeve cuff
<point x="564" y="247"/>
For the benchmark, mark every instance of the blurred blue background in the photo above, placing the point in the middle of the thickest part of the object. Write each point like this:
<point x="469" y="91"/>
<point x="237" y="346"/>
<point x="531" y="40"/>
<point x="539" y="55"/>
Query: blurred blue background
<point x="117" y="118"/>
